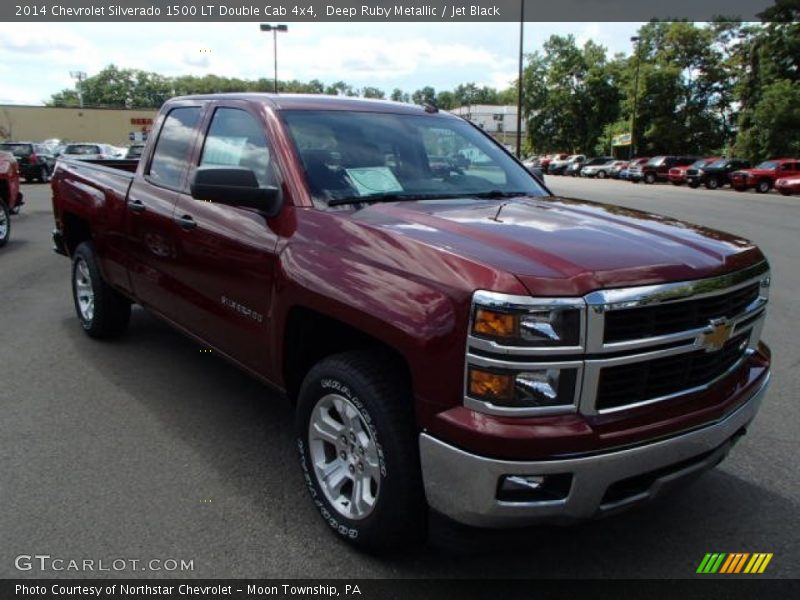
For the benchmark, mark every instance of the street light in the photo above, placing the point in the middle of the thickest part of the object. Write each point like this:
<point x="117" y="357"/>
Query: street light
<point x="635" y="39"/>
<point x="275" y="29"/>
<point x="79" y="76"/>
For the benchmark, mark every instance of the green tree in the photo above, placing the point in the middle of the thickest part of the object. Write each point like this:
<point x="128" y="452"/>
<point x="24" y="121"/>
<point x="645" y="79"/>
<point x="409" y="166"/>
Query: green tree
<point x="373" y="92"/>
<point x="774" y="123"/>
<point x="426" y="95"/>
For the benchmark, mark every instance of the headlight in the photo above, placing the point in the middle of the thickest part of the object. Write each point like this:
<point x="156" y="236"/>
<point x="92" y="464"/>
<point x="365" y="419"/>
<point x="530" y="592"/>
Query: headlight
<point x="513" y="362"/>
<point x="531" y="388"/>
<point x="532" y="325"/>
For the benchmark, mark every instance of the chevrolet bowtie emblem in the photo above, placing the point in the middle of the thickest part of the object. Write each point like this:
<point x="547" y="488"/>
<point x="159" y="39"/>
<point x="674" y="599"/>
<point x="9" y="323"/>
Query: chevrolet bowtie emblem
<point x="716" y="334"/>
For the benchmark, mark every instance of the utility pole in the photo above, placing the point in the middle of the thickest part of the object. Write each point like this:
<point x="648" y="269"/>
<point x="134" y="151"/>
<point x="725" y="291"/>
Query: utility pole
<point x="79" y="76"/>
<point x="519" y="78"/>
<point x="635" y="39"/>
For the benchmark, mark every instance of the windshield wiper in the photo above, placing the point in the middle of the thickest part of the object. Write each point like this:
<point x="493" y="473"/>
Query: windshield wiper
<point x="497" y="194"/>
<point x="390" y="197"/>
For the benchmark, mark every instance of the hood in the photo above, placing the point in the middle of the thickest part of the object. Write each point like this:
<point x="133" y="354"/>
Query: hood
<point x="560" y="246"/>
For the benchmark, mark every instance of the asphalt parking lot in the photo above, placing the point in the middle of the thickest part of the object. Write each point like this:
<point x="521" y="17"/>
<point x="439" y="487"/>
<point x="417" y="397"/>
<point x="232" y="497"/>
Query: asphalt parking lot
<point x="146" y="448"/>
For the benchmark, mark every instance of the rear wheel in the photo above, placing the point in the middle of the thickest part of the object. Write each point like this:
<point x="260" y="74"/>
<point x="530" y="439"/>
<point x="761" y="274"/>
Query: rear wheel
<point x="763" y="186"/>
<point x="601" y="175"/>
<point x="44" y="174"/>
<point x="102" y="311"/>
<point x="359" y="451"/>
<point x="712" y="183"/>
<point x="650" y="178"/>
<point x="5" y="223"/>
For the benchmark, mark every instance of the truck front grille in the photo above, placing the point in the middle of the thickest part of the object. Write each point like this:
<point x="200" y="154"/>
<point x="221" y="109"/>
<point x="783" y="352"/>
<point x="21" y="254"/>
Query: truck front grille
<point x="661" y="377"/>
<point x="662" y="319"/>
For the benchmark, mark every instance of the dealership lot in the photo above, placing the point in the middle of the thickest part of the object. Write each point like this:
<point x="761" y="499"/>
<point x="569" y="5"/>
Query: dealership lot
<point x="146" y="448"/>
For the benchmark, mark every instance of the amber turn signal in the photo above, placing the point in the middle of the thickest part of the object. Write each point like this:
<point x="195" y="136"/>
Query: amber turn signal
<point x="494" y="324"/>
<point x="490" y="386"/>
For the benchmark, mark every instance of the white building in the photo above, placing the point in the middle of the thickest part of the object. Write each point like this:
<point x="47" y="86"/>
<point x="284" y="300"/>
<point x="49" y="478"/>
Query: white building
<point x="499" y="121"/>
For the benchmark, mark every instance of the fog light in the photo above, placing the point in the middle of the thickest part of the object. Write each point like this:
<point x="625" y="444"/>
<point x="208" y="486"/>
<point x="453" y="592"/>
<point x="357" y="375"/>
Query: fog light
<point x="490" y="386"/>
<point x="534" y="488"/>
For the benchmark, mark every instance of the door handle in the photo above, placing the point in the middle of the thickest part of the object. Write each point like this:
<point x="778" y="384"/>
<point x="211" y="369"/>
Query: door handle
<point x="186" y="222"/>
<point x="137" y="206"/>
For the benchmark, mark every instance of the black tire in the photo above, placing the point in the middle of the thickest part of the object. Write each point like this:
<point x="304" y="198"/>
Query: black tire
<point x="5" y="223"/>
<point x="111" y="311"/>
<point x="763" y="186"/>
<point x="712" y="183"/>
<point x="44" y="174"/>
<point x="601" y="175"/>
<point x="376" y="387"/>
<point x="649" y="178"/>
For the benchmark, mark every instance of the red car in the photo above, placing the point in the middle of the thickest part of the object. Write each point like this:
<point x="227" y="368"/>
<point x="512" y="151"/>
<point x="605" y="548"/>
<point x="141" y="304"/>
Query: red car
<point x="461" y="342"/>
<point x="10" y="196"/>
<point x="677" y="175"/>
<point x="763" y="176"/>
<point x="788" y="185"/>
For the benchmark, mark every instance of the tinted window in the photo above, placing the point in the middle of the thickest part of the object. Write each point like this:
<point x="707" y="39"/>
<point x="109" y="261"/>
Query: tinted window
<point x="171" y="155"/>
<point x="82" y="149"/>
<point x="767" y="165"/>
<point x="236" y="139"/>
<point x="17" y="149"/>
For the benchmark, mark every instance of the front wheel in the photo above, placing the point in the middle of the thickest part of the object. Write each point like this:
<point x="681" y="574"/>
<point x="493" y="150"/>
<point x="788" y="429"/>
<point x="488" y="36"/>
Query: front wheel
<point x="102" y="311"/>
<point x="712" y="183"/>
<point x="5" y="223"/>
<point x="359" y="450"/>
<point x="650" y="178"/>
<point x="601" y="175"/>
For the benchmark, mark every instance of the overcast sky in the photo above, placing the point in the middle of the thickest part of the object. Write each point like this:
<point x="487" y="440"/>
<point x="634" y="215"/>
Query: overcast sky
<point x="37" y="58"/>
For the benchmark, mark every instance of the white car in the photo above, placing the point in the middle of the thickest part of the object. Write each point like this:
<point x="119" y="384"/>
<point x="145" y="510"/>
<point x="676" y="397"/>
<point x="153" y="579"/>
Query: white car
<point x="600" y="171"/>
<point x="89" y="151"/>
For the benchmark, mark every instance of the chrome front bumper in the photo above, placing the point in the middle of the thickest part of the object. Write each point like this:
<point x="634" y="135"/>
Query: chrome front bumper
<point x="464" y="486"/>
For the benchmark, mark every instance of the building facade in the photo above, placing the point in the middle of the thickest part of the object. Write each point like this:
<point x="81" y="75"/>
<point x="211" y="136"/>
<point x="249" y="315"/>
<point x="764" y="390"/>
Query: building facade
<point x="114" y="126"/>
<point x="499" y="121"/>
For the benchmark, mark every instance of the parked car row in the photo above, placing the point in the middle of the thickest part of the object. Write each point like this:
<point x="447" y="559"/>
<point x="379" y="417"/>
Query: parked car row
<point x="10" y="196"/>
<point x="36" y="160"/>
<point x="713" y="172"/>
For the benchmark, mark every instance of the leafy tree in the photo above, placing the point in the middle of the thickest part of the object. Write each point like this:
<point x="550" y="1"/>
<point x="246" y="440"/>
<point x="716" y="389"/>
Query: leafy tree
<point x="774" y="123"/>
<point x="426" y="95"/>
<point x="373" y="92"/>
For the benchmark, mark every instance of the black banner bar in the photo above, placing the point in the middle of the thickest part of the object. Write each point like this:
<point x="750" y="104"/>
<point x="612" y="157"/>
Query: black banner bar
<point x="711" y="588"/>
<point x="378" y="11"/>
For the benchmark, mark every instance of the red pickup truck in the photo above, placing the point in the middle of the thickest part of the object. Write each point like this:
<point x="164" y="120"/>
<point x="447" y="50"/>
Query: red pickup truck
<point x="762" y="177"/>
<point x="10" y="196"/>
<point x="456" y="340"/>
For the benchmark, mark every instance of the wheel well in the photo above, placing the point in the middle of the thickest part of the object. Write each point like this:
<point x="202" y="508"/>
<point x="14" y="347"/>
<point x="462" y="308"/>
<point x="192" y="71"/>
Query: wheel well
<point x="311" y="336"/>
<point x="76" y="230"/>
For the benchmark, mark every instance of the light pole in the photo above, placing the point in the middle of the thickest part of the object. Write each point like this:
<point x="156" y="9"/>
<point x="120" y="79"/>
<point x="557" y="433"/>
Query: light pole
<point x="519" y="78"/>
<point x="274" y="29"/>
<point x="635" y="39"/>
<point x="79" y="76"/>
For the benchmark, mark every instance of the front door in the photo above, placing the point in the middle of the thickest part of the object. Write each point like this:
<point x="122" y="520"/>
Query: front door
<point x="226" y="255"/>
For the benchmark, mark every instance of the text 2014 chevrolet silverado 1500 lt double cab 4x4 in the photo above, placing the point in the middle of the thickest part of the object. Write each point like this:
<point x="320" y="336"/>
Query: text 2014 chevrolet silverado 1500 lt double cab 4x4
<point x="455" y="337"/>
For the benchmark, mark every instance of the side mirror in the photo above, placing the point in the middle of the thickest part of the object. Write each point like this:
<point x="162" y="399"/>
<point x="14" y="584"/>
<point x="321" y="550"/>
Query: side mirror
<point x="234" y="186"/>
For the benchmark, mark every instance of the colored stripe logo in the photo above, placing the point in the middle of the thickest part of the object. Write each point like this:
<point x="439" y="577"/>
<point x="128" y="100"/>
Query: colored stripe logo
<point x="734" y="563"/>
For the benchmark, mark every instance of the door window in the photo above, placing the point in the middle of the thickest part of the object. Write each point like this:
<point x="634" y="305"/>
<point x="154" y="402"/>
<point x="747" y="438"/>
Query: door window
<point x="236" y="139"/>
<point x="171" y="155"/>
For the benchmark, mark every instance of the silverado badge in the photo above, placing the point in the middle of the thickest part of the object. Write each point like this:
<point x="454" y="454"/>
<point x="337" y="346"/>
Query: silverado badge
<point x="716" y="334"/>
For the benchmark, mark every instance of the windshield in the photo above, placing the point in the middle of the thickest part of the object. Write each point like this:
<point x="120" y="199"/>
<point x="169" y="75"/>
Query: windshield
<point x="654" y="162"/>
<point x="354" y="155"/>
<point x="17" y="149"/>
<point x="718" y="164"/>
<point x="82" y="149"/>
<point x="767" y="165"/>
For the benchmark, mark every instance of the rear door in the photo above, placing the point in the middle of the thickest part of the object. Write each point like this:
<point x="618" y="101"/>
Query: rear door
<point x="151" y="201"/>
<point x="226" y="255"/>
